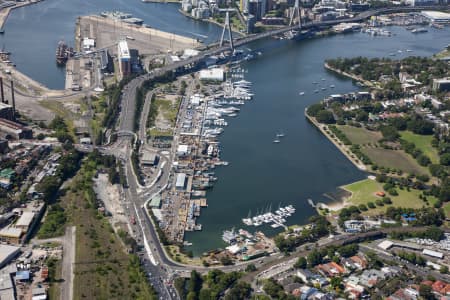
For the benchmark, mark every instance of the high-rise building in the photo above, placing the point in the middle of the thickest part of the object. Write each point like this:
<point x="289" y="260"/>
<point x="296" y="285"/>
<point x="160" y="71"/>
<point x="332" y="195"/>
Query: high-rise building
<point x="124" y="58"/>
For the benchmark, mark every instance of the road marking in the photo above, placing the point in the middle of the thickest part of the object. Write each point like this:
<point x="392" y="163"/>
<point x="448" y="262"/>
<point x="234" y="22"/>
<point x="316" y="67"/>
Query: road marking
<point x="146" y="245"/>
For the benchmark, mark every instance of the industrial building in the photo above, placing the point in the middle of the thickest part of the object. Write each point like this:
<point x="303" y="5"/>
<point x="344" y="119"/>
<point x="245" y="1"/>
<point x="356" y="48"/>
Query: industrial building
<point x="155" y="202"/>
<point x="7" y="253"/>
<point x="149" y="158"/>
<point x="181" y="181"/>
<point x="6" y="111"/>
<point x="10" y="129"/>
<point x="11" y="235"/>
<point x="124" y="58"/>
<point x="437" y="17"/>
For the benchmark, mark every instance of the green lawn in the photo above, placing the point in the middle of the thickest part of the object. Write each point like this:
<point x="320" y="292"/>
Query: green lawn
<point x="397" y="159"/>
<point x="364" y="192"/>
<point x="168" y="110"/>
<point x="422" y="142"/>
<point x="359" y="135"/>
<point x="446" y="208"/>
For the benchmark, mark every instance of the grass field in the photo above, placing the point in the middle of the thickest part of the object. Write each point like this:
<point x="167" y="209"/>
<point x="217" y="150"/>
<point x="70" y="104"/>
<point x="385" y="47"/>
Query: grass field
<point x="422" y="142"/>
<point x="446" y="208"/>
<point x="181" y="257"/>
<point x="54" y="270"/>
<point x="359" y="135"/>
<point x="397" y="159"/>
<point x="364" y="192"/>
<point x="103" y="269"/>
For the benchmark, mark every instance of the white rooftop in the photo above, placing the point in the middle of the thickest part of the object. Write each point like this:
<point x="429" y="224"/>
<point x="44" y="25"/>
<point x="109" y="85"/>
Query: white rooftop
<point x="436" y="14"/>
<point x="123" y="50"/>
<point x="385" y="244"/>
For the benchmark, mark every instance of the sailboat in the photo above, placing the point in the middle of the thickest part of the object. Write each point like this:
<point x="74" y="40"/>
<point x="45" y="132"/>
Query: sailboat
<point x="248" y="221"/>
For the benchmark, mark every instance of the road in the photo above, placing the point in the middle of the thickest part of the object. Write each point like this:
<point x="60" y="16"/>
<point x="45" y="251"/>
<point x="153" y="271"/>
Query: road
<point x="67" y="269"/>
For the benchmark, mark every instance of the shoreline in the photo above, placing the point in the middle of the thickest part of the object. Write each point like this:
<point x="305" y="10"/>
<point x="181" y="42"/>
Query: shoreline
<point x="348" y="75"/>
<point x="341" y="147"/>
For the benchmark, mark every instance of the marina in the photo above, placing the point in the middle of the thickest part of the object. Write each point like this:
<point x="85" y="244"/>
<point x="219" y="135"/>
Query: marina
<point x="276" y="219"/>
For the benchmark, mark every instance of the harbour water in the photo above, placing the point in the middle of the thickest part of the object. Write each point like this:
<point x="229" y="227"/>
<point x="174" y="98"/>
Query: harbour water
<point x="303" y="165"/>
<point x="32" y="32"/>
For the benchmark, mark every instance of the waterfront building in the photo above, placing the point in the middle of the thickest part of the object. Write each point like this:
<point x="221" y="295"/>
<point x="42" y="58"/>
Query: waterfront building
<point x="421" y="2"/>
<point x="124" y="58"/>
<point x="251" y="20"/>
<point x="186" y="6"/>
<point x="441" y="85"/>
<point x="437" y="17"/>
<point x="200" y="13"/>
<point x="257" y="8"/>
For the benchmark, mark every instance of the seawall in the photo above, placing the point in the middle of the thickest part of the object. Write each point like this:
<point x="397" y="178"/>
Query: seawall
<point x="344" y="149"/>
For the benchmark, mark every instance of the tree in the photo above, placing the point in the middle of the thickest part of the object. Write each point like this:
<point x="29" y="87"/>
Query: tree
<point x="226" y="261"/>
<point x="445" y="159"/>
<point x="389" y="133"/>
<point x="241" y="290"/>
<point x="314" y="258"/>
<point x="272" y="288"/>
<point x="423" y="160"/>
<point x="314" y="109"/>
<point x="336" y="282"/>
<point x="250" y="268"/>
<point x="205" y="294"/>
<point x="420" y="126"/>
<point x="425" y="292"/>
<point x="326" y="117"/>
<point x="362" y="116"/>
<point x="48" y="187"/>
<point x="194" y="283"/>
<point x="444" y="270"/>
<point x="301" y="263"/>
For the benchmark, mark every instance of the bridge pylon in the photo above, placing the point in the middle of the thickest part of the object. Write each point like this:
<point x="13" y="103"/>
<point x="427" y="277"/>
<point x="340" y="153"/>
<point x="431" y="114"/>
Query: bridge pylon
<point x="227" y="27"/>
<point x="296" y="12"/>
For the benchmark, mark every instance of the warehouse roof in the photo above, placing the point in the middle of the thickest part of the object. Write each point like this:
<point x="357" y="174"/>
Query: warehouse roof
<point x="25" y="219"/>
<point x="7" y="252"/>
<point x="11" y="232"/>
<point x="181" y="179"/>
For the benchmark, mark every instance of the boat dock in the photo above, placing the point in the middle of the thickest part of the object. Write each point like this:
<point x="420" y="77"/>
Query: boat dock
<point x="275" y="219"/>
